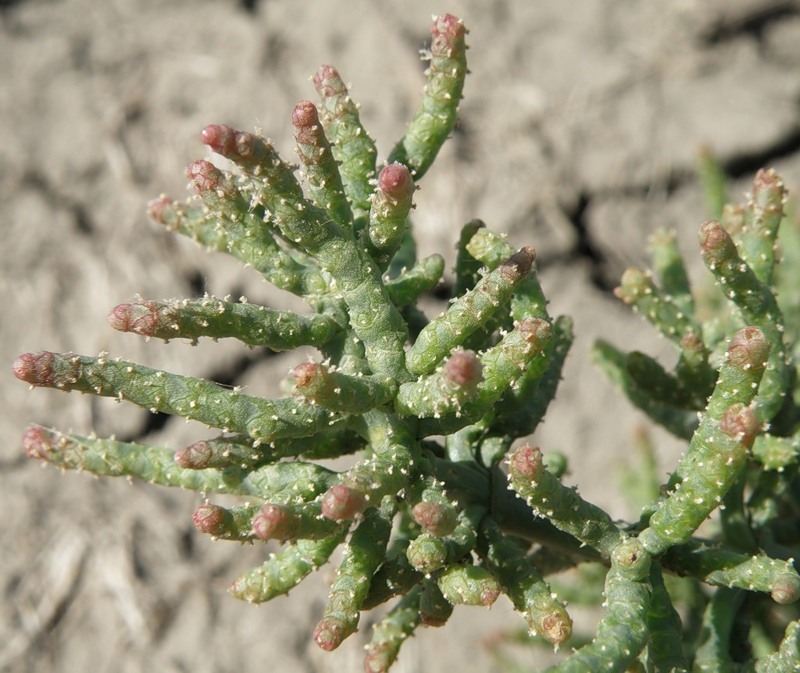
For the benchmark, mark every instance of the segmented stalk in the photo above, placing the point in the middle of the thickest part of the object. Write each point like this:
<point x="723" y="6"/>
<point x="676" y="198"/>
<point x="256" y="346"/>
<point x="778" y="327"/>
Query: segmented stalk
<point x="362" y="557"/>
<point x="353" y="148"/>
<point x="714" y="468"/>
<point x="525" y="586"/>
<point x="245" y="237"/>
<point x="282" y="482"/>
<point x="467" y="313"/>
<point x="758" y="306"/>
<point x="218" y="319"/>
<point x="392" y="631"/>
<point x="549" y="498"/>
<point x="320" y="168"/>
<point x="391" y="204"/>
<point x="621" y="633"/>
<point x="160" y="391"/>
<point x="436" y="115"/>
<point x="726" y="568"/>
<point x="285" y="570"/>
<point x="464" y="584"/>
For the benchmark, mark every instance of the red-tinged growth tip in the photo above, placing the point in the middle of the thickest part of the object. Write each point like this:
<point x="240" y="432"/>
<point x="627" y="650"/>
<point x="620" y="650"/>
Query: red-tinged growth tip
<point x="435" y="518"/>
<point x="536" y="331"/>
<point x="196" y="456"/>
<point x="715" y="243"/>
<point x="204" y="176"/>
<point x="526" y="461"/>
<point x="157" y="209"/>
<point x="748" y="349"/>
<point x="305" y="120"/>
<point x="489" y="595"/>
<point x="740" y="422"/>
<point x="210" y="519"/>
<point x="556" y="628"/>
<point x="463" y="369"/>
<point x="768" y="183"/>
<point x="341" y="502"/>
<point x="395" y="182"/>
<point x="328" y="82"/>
<point x="330" y="633"/>
<point x="272" y="522"/>
<point x="519" y="264"/>
<point x="46" y="369"/>
<point x="380" y="657"/>
<point x="311" y="380"/>
<point x="447" y="33"/>
<point x="691" y="342"/>
<point x="38" y="443"/>
<point x="220" y="138"/>
<point x="308" y="374"/>
<point x="34" y="368"/>
<point x="141" y="318"/>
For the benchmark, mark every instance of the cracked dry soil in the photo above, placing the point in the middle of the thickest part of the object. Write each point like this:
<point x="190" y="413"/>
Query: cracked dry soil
<point x="579" y="135"/>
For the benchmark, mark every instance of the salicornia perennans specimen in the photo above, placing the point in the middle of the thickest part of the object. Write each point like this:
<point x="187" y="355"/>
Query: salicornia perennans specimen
<point x="432" y="407"/>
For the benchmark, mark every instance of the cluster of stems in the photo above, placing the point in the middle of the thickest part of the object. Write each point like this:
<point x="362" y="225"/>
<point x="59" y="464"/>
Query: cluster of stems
<point x="446" y="504"/>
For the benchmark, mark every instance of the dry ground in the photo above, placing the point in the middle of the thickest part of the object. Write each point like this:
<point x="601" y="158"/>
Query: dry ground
<point x="579" y="135"/>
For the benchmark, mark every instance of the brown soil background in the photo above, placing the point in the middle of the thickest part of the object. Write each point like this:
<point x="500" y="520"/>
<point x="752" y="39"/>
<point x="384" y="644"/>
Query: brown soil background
<point x="579" y="134"/>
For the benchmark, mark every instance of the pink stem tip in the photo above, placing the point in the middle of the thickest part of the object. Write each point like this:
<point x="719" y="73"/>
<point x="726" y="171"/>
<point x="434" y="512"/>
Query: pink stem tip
<point x="447" y="34"/>
<point x="526" y="461"/>
<point x="341" y="502"/>
<point x="395" y="182"/>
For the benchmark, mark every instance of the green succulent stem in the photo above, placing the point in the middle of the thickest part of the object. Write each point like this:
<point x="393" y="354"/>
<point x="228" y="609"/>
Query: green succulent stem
<point x="192" y="398"/>
<point x="436" y="116"/>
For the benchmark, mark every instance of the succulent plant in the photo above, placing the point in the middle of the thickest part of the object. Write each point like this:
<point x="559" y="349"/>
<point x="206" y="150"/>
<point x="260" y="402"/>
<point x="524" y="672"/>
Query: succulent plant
<point x="446" y="502"/>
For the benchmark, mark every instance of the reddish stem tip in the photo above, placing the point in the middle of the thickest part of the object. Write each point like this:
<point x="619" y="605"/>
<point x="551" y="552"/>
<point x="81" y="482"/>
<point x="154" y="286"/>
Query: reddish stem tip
<point x="489" y="595"/>
<point x="157" y="209"/>
<point x="434" y="517"/>
<point x="195" y="456"/>
<point x="330" y="633"/>
<point x="556" y="628"/>
<point x="786" y="589"/>
<point x="380" y="657"/>
<point x="204" y="176"/>
<point x="210" y="519"/>
<point x="463" y="369"/>
<point x="691" y="342"/>
<point x="341" y="502"/>
<point x="715" y="242"/>
<point x="272" y="522"/>
<point x="308" y="373"/>
<point x="38" y="443"/>
<point x="220" y="138"/>
<point x="536" y="331"/>
<point x="395" y="181"/>
<point x="141" y="318"/>
<point x="519" y="264"/>
<point x="328" y="82"/>
<point x="526" y="461"/>
<point x="447" y="34"/>
<point x="305" y="115"/>
<point x="767" y="179"/>
<point x="748" y="349"/>
<point x="38" y="369"/>
<point x="740" y="422"/>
